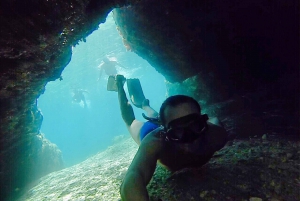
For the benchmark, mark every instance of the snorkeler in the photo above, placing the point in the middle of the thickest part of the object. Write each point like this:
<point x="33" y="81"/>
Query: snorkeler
<point x="79" y="96"/>
<point x="179" y="137"/>
<point x="109" y="67"/>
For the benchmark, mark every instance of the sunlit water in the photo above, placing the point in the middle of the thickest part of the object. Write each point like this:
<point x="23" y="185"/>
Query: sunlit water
<point x="81" y="131"/>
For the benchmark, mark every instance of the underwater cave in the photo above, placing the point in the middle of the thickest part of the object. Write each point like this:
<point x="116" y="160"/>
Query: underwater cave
<point x="238" y="59"/>
<point x="83" y="128"/>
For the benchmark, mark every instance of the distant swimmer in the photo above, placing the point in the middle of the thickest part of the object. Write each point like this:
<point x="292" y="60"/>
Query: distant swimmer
<point x="109" y="66"/>
<point x="79" y="96"/>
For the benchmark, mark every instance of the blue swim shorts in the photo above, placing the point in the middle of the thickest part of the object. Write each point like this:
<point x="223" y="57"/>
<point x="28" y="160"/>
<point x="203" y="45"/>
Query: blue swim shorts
<point x="147" y="128"/>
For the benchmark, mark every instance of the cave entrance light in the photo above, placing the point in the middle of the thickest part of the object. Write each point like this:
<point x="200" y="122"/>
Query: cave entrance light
<point x="82" y="129"/>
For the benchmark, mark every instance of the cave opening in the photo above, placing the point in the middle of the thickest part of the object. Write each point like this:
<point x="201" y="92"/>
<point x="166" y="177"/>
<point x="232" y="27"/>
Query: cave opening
<point x="81" y="129"/>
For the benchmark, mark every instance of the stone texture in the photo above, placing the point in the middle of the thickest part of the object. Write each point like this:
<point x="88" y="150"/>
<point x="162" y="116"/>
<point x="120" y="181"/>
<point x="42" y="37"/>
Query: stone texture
<point x="231" y="40"/>
<point x="35" y="45"/>
<point x="244" y="170"/>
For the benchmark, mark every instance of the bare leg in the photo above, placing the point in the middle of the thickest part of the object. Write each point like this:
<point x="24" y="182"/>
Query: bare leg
<point x="149" y="110"/>
<point x="125" y="107"/>
<point x="134" y="126"/>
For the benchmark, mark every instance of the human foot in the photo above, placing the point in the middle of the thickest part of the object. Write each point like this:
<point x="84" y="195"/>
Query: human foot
<point x="120" y="80"/>
<point x="145" y="103"/>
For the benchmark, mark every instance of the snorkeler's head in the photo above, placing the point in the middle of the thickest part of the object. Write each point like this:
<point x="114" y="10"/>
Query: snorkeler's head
<point x="177" y="106"/>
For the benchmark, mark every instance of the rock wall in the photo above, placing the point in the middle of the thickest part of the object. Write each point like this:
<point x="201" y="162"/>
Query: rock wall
<point x="240" y="45"/>
<point x="240" y="59"/>
<point x="36" y="38"/>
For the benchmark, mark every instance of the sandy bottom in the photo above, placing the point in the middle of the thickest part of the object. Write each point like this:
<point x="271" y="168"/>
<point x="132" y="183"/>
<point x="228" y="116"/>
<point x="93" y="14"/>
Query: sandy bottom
<point x="245" y="170"/>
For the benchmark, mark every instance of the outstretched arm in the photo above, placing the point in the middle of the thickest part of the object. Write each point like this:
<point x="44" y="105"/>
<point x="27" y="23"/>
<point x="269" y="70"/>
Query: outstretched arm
<point x="140" y="172"/>
<point x="101" y="71"/>
<point x="117" y="63"/>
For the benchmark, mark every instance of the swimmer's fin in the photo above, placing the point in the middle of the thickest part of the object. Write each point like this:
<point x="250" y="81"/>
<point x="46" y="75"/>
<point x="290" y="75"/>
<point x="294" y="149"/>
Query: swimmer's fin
<point x="135" y="92"/>
<point x="112" y="84"/>
<point x="113" y="80"/>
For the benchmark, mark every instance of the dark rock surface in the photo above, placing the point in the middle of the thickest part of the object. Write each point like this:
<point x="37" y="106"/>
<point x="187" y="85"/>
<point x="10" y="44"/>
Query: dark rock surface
<point x="243" y="170"/>
<point x="241" y="43"/>
<point x="245" y="54"/>
<point x="249" y="114"/>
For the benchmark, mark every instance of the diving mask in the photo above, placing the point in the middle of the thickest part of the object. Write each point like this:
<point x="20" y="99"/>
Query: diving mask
<point x="186" y="129"/>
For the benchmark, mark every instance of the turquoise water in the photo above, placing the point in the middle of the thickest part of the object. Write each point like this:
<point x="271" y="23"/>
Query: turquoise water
<point x="80" y="131"/>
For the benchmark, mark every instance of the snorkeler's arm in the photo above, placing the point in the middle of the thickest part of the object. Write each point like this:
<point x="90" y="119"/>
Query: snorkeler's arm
<point x="101" y="71"/>
<point x="140" y="172"/>
<point x="117" y="63"/>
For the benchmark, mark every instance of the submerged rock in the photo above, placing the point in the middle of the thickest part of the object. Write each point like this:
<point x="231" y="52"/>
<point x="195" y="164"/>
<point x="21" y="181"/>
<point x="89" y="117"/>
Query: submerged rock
<point x="244" y="170"/>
